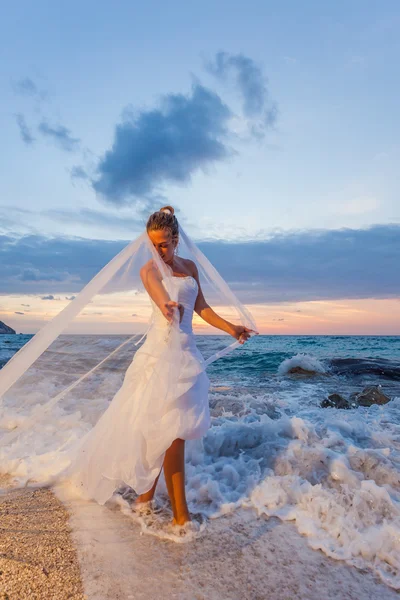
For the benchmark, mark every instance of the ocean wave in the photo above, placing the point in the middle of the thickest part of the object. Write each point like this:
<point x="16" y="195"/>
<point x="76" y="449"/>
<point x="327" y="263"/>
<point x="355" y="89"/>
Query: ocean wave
<point x="306" y="362"/>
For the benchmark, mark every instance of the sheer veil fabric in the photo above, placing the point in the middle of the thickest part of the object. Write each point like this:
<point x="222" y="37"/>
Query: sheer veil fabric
<point x="41" y="383"/>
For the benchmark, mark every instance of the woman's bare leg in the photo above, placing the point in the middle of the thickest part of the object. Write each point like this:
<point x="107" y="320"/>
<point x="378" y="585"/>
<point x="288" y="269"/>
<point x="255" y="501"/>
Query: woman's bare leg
<point x="174" y="471"/>
<point x="147" y="496"/>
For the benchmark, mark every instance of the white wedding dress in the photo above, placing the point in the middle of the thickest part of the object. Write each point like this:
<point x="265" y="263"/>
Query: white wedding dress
<point x="128" y="443"/>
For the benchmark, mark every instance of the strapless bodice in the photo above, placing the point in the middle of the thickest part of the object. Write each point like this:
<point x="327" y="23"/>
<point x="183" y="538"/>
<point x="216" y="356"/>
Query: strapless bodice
<point x="187" y="294"/>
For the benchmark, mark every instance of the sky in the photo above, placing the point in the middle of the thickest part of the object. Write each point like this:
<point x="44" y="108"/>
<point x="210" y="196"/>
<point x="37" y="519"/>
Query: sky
<point x="272" y="128"/>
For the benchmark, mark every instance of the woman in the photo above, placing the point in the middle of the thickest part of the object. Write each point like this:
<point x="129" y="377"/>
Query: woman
<point x="161" y="403"/>
<point x="163" y="230"/>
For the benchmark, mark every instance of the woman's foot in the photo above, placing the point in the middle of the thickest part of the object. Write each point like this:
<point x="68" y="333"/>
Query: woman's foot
<point x="142" y="507"/>
<point x="147" y="497"/>
<point x="186" y="529"/>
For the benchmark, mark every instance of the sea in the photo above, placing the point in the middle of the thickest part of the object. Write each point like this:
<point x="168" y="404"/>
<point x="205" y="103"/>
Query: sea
<point x="272" y="448"/>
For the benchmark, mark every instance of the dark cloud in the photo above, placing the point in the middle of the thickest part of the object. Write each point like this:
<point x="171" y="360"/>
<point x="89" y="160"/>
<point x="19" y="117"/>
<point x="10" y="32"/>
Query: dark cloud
<point x="313" y="265"/>
<point x="252" y="85"/>
<point x="294" y="266"/>
<point x="164" y="145"/>
<point x="48" y="297"/>
<point x="70" y="297"/>
<point x="25" y="304"/>
<point x="24" y="130"/>
<point x="60" y="135"/>
<point x="18" y="313"/>
<point x="30" y="263"/>
<point x="37" y="275"/>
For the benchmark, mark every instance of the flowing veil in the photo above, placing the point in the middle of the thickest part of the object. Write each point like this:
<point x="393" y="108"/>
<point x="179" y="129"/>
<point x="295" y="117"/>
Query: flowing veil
<point x="58" y="386"/>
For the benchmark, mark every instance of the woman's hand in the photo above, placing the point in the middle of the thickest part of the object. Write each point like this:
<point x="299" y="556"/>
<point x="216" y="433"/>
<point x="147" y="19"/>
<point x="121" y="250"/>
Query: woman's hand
<point x="241" y="333"/>
<point x="169" y="310"/>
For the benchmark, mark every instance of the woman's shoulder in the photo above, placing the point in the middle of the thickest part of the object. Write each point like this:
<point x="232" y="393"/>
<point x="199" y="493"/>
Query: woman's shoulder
<point x="189" y="266"/>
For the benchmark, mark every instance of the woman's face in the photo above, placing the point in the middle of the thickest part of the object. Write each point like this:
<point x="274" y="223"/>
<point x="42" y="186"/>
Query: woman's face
<point x="163" y="243"/>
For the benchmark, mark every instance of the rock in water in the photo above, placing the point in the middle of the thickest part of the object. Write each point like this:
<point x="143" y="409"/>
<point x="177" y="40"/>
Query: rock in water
<point x="301" y="371"/>
<point x="335" y="401"/>
<point x="372" y="395"/>
<point x="6" y="329"/>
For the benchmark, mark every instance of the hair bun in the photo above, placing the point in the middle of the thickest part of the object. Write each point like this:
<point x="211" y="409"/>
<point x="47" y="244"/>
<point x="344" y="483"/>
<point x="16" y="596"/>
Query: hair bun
<point x="167" y="209"/>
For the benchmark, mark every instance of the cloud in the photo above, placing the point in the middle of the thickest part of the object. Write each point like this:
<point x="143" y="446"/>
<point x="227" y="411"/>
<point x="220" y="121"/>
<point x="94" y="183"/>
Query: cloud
<point x="18" y="313"/>
<point x="312" y="265"/>
<point x="164" y="145"/>
<point x="60" y="135"/>
<point x="107" y="220"/>
<point x="70" y="297"/>
<point x="27" y="87"/>
<point x="48" y="297"/>
<point x="25" y="304"/>
<point x="252" y="85"/>
<point x="78" y="172"/>
<point x="24" y="130"/>
<point x="292" y="266"/>
<point x="37" y="275"/>
<point x="13" y="218"/>
<point x="28" y="264"/>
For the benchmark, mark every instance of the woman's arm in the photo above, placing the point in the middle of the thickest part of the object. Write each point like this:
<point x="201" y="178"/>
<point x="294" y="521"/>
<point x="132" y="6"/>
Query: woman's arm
<point x="204" y="310"/>
<point x="152" y="282"/>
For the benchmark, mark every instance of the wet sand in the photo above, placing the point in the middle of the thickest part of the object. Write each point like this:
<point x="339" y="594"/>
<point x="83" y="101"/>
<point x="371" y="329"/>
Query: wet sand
<point x="239" y="557"/>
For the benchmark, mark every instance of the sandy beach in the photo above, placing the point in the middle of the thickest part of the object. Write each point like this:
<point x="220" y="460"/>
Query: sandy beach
<point x="38" y="559"/>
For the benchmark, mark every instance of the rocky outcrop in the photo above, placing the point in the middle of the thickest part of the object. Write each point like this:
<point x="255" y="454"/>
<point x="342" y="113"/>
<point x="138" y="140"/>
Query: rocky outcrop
<point x="6" y="329"/>
<point x="335" y="401"/>
<point x="370" y="395"/>
<point x="381" y="367"/>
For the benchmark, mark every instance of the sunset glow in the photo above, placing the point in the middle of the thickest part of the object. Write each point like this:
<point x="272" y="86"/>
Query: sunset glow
<point x="114" y="314"/>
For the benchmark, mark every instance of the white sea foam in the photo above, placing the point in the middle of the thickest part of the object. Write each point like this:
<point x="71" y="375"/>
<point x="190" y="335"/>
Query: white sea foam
<point x="334" y="479"/>
<point x="305" y="361"/>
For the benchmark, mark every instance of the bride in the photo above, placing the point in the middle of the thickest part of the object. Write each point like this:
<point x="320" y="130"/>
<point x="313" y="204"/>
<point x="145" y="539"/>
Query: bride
<point x="163" y="400"/>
